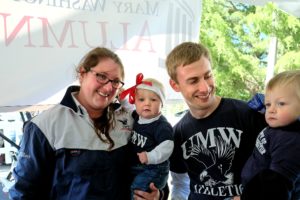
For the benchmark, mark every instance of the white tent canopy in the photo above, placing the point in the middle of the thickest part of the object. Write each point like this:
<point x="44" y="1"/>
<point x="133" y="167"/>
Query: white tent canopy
<point x="42" y="41"/>
<point x="291" y="7"/>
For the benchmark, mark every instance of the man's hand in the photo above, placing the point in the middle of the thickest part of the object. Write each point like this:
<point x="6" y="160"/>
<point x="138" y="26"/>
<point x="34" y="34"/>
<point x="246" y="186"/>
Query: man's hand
<point x="141" y="195"/>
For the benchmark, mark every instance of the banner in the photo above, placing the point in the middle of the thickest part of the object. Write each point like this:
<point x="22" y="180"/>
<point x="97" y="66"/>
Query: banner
<point x="42" y="41"/>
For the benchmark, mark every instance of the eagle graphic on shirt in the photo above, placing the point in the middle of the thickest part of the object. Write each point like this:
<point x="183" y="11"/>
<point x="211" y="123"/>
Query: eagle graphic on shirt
<point x="212" y="166"/>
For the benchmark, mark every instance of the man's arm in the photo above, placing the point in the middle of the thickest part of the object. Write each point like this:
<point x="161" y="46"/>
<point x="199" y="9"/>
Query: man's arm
<point x="179" y="186"/>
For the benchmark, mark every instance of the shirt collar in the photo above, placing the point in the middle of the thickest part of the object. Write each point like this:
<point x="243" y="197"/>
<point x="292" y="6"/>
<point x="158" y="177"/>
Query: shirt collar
<point x="81" y="110"/>
<point x="148" y="121"/>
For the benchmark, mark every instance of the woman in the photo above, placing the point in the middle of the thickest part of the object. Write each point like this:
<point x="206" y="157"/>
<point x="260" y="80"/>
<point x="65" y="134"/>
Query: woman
<point x="78" y="148"/>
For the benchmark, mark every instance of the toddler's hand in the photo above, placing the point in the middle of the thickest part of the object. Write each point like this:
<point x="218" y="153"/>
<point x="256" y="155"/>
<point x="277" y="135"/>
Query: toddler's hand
<point x="143" y="157"/>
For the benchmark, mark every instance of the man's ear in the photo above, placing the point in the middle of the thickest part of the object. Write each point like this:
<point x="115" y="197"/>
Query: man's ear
<point x="174" y="85"/>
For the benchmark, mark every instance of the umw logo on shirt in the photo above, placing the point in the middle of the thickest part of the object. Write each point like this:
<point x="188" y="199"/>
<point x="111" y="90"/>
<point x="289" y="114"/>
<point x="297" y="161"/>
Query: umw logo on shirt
<point x="210" y="155"/>
<point x="138" y="139"/>
<point x="208" y="140"/>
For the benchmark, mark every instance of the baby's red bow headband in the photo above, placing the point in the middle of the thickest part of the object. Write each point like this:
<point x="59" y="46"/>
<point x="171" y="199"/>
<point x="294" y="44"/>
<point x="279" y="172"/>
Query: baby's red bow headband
<point x="131" y="90"/>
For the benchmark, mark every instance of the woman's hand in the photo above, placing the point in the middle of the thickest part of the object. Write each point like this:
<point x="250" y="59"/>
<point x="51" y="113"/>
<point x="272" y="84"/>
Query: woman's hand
<point x="141" y="195"/>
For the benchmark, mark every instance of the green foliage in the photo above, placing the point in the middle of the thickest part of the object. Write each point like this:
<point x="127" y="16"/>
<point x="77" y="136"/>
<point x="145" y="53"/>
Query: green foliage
<point x="288" y="61"/>
<point x="238" y="37"/>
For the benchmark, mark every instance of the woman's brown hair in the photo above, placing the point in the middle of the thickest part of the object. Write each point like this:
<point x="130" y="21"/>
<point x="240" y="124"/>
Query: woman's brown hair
<point x="104" y="124"/>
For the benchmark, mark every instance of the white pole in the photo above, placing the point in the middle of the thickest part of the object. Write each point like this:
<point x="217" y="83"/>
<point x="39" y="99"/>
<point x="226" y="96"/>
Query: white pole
<point x="271" y="58"/>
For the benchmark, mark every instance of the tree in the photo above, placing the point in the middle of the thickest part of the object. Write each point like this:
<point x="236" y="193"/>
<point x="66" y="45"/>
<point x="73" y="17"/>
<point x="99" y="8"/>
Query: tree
<point x="238" y="37"/>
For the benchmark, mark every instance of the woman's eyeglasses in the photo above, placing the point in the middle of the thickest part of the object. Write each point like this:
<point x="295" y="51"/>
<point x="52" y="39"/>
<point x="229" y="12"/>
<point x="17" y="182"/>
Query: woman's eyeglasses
<point x="103" y="79"/>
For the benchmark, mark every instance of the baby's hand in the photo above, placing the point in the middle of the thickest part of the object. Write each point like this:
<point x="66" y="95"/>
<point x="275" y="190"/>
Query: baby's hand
<point x="143" y="157"/>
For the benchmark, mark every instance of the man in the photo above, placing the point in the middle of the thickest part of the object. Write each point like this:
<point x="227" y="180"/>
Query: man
<point x="215" y="138"/>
